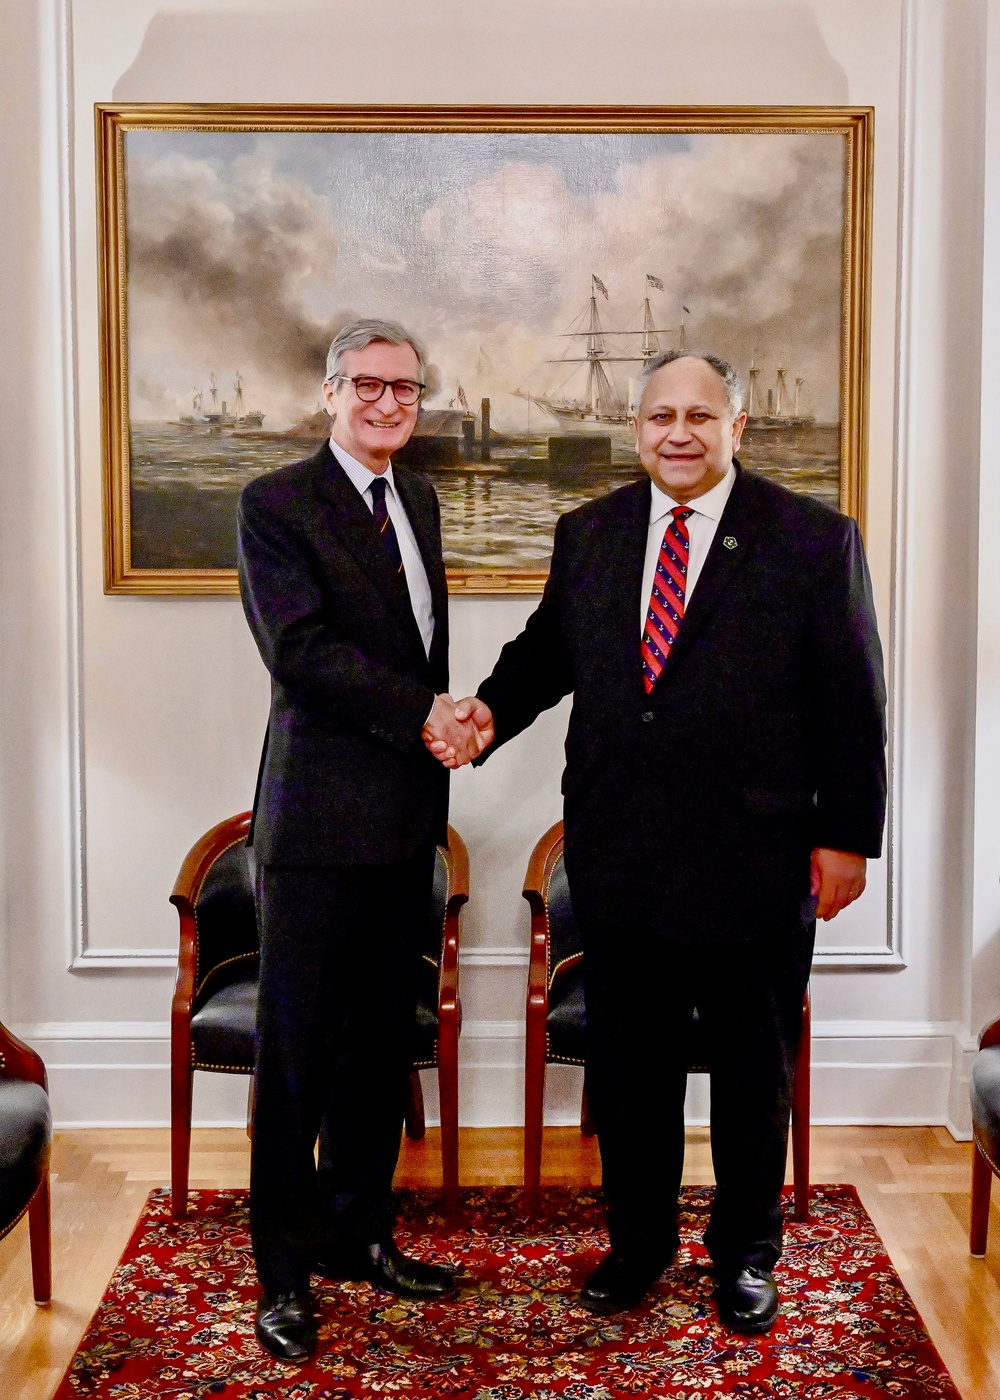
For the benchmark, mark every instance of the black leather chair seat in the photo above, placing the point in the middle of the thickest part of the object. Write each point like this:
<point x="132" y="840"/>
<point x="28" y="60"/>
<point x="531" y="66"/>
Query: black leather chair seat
<point x="565" y="1025"/>
<point x="223" y="1027"/>
<point x="25" y="1136"/>
<point x="985" y="1095"/>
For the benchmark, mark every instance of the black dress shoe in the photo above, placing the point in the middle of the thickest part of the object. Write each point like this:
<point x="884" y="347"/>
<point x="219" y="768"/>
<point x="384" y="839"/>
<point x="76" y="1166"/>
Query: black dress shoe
<point x="619" y="1282"/>
<point x="385" y="1266"/>
<point x="286" y="1325"/>
<point x="748" y="1300"/>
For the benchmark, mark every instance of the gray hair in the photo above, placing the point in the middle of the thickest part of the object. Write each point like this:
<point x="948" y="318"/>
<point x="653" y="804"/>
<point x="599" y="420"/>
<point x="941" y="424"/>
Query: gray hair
<point x="356" y="335"/>
<point x="725" y="371"/>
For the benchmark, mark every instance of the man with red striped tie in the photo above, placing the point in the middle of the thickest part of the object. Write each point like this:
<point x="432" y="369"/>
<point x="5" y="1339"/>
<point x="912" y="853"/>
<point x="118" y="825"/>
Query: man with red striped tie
<point x="724" y="784"/>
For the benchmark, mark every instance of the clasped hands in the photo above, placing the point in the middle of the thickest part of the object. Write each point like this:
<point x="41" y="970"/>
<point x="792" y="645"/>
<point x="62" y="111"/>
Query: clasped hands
<point x="456" y="732"/>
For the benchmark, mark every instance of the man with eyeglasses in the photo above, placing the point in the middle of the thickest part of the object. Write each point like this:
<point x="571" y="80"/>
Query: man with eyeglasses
<point x="343" y="584"/>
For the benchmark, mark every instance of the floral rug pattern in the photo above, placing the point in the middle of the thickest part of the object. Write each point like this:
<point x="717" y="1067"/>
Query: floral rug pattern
<point x="177" y="1318"/>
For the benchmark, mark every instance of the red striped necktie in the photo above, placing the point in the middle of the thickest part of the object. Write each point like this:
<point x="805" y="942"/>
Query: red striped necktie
<point x="666" y="602"/>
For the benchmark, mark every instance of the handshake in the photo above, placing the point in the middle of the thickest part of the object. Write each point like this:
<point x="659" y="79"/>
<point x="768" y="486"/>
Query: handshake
<point x="456" y="733"/>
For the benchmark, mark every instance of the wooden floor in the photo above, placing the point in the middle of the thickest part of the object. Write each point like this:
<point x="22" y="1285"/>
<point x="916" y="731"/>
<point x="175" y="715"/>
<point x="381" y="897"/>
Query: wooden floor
<point x="913" y="1181"/>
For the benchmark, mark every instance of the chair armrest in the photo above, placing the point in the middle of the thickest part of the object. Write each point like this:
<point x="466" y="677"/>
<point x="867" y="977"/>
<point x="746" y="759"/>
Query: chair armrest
<point x="19" y="1061"/>
<point x="456" y="859"/>
<point x="536" y="883"/>
<point x="202" y="855"/>
<point x="991" y="1035"/>
<point x="197" y="863"/>
<point x="538" y="961"/>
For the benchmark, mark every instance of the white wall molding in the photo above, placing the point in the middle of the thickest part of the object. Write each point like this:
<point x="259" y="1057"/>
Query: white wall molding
<point x="907" y="251"/>
<point x="91" y="959"/>
<point x="516" y="956"/>
<point x="58" y="212"/>
<point x="116" y="1074"/>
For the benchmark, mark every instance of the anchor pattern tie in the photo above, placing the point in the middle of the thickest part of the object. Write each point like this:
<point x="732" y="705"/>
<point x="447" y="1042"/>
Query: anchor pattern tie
<point x="666" y="602"/>
<point x="384" y="525"/>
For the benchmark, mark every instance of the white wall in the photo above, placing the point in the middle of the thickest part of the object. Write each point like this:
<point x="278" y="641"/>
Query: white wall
<point x="167" y="696"/>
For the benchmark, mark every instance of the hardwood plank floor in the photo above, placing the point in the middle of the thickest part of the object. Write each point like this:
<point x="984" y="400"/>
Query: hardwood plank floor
<point x="913" y="1181"/>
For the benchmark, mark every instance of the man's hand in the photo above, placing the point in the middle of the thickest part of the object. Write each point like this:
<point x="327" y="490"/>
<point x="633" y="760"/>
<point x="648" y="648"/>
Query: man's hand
<point x="456" y="734"/>
<point x="452" y="735"/>
<point x="838" y="877"/>
<point x="481" y="716"/>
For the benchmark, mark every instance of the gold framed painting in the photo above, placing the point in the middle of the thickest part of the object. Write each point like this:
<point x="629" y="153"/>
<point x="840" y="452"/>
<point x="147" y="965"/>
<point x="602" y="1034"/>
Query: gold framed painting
<point x="543" y="255"/>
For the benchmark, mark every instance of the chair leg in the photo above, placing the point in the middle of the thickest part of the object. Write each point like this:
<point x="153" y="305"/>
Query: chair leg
<point x="587" y="1125"/>
<point x="251" y="1105"/>
<point x="448" y="1096"/>
<point x="982" y="1180"/>
<point x="40" y="1234"/>
<point x="415" y="1123"/>
<point x="181" y="1080"/>
<point x="534" y="1104"/>
<point x="801" y="1095"/>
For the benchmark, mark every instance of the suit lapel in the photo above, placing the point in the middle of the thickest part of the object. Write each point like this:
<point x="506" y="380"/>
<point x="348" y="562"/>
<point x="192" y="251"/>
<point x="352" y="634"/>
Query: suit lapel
<point x="355" y="529"/>
<point x="737" y="532"/>
<point x="619" y="580"/>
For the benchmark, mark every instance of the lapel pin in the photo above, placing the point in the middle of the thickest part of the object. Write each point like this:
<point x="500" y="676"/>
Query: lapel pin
<point x="730" y="541"/>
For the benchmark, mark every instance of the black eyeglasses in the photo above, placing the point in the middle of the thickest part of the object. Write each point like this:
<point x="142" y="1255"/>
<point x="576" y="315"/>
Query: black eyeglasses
<point x="370" y="389"/>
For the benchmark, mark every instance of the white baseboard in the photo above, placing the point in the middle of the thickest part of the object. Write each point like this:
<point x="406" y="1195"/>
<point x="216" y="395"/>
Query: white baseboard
<point x="117" y="1074"/>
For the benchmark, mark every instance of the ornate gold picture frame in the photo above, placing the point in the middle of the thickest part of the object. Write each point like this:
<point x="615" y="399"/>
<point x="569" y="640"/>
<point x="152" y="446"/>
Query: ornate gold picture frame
<point x="543" y="254"/>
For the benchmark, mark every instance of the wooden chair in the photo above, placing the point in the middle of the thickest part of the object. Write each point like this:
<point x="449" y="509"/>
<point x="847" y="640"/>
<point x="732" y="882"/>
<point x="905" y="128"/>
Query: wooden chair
<point x="25" y="1144"/>
<point x="555" y="1020"/>
<point x="215" y="996"/>
<point x="984" y="1091"/>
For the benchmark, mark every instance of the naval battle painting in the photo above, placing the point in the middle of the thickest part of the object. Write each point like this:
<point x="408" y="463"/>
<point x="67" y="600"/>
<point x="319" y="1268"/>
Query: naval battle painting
<point x="542" y="255"/>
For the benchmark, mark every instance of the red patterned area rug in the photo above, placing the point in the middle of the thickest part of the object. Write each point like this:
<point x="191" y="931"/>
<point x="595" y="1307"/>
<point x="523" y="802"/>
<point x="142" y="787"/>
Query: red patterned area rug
<point x="177" y="1318"/>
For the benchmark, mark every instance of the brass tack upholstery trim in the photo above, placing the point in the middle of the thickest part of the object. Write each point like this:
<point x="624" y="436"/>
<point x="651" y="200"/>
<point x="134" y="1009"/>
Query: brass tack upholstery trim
<point x="226" y="962"/>
<point x="983" y="1151"/>
<point x="222" y="1069"/>
<point x="15" y="1222"/>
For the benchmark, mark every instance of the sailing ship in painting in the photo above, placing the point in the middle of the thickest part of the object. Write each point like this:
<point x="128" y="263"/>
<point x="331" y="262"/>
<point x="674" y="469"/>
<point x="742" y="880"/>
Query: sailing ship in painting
<point x="776" y="414"/>
<point x="600" y="401"/>
<point x="217" y="418"/>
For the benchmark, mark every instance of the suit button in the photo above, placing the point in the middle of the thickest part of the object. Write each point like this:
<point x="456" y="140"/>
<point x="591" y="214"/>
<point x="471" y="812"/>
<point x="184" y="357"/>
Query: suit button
<point x="647" y="716"/>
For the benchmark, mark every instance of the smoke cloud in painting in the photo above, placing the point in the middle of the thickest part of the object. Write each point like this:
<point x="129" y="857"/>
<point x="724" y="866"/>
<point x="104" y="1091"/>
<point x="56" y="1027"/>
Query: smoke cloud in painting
<point x="252" y="265"/>
<point x="231" y="273"/>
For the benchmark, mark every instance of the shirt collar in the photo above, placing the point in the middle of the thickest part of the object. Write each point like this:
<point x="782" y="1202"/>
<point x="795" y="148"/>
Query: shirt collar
<point x="360" y="476"/>
<point x="712" y="503"/>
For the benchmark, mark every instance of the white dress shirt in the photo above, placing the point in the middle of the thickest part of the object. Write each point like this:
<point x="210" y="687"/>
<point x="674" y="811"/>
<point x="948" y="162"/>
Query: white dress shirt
<point x="413" y="566"/>
<point x="702" y="524"/>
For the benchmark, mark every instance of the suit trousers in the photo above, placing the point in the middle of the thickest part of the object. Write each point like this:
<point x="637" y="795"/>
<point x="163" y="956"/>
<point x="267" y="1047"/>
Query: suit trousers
<point x="640" y="994"/>
<point x="340" y="952"/>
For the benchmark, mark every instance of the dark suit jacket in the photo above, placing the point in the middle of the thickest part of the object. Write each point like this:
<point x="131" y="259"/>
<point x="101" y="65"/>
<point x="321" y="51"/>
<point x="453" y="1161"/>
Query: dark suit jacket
<point x="345" y="778"/>
<point x="697" y="806"/>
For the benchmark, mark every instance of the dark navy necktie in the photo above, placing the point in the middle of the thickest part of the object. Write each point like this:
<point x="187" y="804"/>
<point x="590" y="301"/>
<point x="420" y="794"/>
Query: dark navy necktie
<point x="384" y="525"/>
<point x="666" y="602"/>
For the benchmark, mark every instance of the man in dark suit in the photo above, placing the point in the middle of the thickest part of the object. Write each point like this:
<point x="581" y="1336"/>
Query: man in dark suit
<point x="724" y="783"/>
<point x="344" y="588"/>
